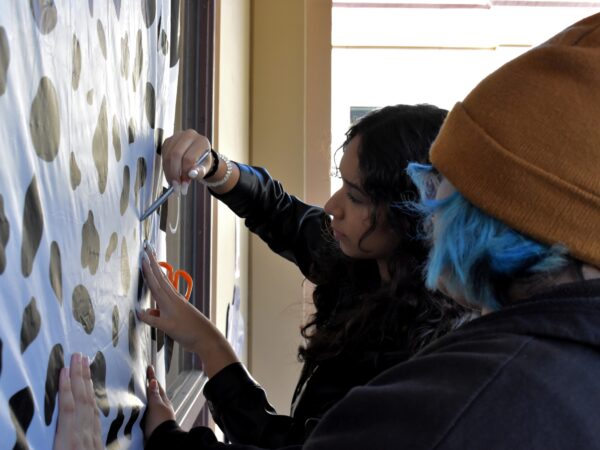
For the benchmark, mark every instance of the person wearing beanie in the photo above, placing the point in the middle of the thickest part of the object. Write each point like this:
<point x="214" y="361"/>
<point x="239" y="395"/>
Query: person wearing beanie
<point x="512" y="204"/>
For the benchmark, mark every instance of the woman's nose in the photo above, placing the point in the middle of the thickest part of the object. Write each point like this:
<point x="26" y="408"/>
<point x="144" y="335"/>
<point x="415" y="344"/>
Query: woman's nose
<point x="332" y="206"/>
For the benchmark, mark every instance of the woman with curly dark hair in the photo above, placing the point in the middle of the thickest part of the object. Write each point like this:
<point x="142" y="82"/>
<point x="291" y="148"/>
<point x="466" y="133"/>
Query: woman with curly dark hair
<point x="362" y="253"/>
<point x="372" y="309"/>
<point x="361" y="280"/>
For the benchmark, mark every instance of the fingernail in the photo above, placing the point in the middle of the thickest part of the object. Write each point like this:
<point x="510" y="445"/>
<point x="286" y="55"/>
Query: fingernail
<point x="145" y="244"/>
<point x="154" y="385"/>
<point x="85" y="361"/>
<point x="77" y="358"/>
<point x="176" y="188"/>
<point x="184" y="188"/>
<point x="193" y="174"/>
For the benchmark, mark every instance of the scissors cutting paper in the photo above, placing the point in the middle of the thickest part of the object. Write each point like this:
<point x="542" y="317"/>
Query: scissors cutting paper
<point x="165" y="196"/>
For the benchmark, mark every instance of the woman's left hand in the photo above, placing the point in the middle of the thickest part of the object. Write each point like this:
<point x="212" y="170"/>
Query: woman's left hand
<point x="159" y="408"/>
<point x="78" y="424"/>
<point x="173" y="315"/>
<point x="182" y="321"/>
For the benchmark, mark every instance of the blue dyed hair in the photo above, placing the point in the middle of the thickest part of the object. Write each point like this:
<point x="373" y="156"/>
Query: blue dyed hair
<point x="478" y="256"/>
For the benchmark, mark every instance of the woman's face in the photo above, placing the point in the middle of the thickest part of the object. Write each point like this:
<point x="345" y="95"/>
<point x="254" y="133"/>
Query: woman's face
<point x="351" y="208"/>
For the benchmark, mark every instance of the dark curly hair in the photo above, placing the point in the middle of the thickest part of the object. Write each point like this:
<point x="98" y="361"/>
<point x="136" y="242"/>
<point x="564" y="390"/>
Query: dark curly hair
<point x="355" y="311"/>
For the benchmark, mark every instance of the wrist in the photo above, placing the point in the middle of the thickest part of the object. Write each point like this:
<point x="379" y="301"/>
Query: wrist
<point x="214" y="165"/>
<point x="213" y="349"/>
<point x="221" y="174"/>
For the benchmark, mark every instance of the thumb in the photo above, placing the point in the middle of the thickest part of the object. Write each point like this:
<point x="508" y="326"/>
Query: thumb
<point x="197" y="172"/>
<point x="149" y="316"/>
<point x="200" y="170"/>
<point x="153" y="392"/>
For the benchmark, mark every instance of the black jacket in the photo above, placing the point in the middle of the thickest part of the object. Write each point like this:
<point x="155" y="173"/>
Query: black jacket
<point x="238" y="404"/>
<point x="526" y="377"/>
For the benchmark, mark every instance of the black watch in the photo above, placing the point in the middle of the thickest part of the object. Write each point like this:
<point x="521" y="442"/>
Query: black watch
<point x="215" y="165"/>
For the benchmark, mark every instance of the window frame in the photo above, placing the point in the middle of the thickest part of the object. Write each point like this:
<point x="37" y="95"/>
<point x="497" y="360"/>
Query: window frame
<point x="194" y="110"/>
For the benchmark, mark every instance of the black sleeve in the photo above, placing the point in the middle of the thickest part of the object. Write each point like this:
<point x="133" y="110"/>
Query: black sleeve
<point x="289" y="226"/>
<point x="241" y="409"/>
<point x="168" y="435"/>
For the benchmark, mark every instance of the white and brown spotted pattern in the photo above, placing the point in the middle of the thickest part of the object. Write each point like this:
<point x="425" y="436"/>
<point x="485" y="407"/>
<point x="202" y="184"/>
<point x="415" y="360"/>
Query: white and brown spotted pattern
<point x="85" y="96"/>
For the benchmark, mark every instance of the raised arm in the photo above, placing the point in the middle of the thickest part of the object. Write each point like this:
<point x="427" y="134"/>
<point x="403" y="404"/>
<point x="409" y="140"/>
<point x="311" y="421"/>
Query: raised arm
<point x="239" y="405"/>
<point x="290" y="227"/>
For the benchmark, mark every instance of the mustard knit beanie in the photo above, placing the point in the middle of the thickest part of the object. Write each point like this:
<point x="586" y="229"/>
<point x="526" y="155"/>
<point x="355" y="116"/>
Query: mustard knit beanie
<point x="524" y="145"/>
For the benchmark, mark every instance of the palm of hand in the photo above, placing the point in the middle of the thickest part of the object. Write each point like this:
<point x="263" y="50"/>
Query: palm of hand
<point x="173" y="315"/>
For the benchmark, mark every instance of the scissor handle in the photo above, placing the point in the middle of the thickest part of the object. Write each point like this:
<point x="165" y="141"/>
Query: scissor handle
<point x="169" y="269"/>
<point x="188" y="281"/>
<point x="174" y="275"/>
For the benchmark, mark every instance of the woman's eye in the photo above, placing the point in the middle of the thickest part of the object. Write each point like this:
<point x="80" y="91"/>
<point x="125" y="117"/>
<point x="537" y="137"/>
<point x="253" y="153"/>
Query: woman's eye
<point x="352" y="198"/>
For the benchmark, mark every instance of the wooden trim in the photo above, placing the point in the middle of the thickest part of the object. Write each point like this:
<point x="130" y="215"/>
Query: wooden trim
<point x="317" y="182"/>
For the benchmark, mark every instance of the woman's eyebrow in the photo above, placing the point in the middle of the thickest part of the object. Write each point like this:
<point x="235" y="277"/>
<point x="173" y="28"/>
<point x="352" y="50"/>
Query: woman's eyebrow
<point x="354" y="186"/>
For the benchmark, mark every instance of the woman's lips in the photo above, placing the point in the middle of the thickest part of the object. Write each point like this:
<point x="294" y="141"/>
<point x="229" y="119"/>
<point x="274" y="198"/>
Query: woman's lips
<point x="338" y="235"/>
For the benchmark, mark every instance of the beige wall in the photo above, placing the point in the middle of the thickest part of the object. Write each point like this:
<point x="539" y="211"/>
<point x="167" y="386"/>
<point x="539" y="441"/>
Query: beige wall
<point x="232" y="138"/>
<point x="286" y="91"/>
<point x="277" y="142"/>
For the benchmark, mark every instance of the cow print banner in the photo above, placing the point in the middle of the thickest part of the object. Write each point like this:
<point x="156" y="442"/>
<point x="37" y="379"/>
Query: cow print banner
<point x="87" y="92"/>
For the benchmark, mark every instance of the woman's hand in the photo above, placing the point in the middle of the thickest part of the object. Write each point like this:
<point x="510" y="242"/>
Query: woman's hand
<point x="159" y="408"/>
<point x="179" y="155"/>
<point x="181" y="320"/>
<point x="173" y="315"/>
<point x="78" y="424"/>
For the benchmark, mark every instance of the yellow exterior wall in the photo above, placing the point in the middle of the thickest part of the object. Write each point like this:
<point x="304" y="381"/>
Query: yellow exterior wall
<point x="283" y="92"/>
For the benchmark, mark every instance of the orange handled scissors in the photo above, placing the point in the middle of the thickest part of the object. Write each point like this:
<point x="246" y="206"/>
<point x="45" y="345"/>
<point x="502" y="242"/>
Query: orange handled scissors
<point x="174" y="276"/>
